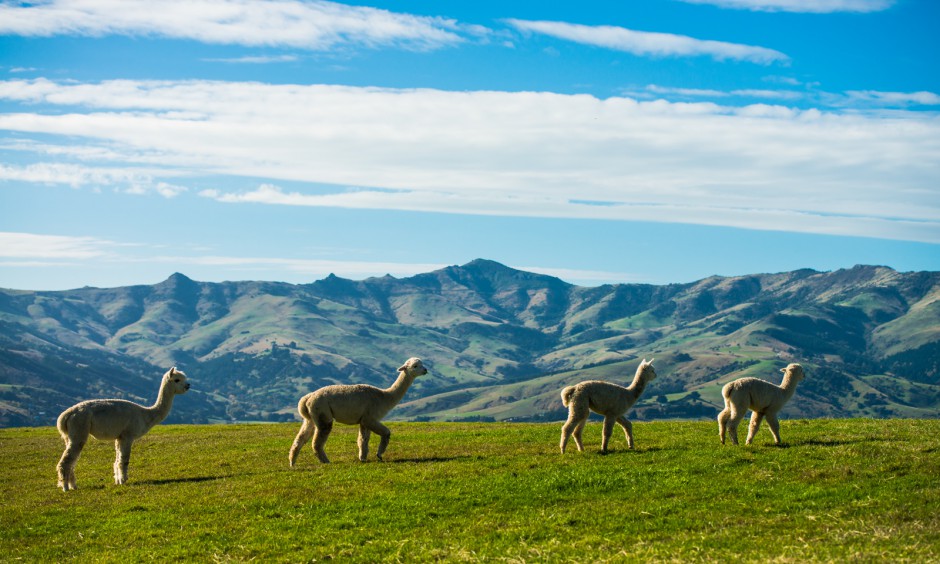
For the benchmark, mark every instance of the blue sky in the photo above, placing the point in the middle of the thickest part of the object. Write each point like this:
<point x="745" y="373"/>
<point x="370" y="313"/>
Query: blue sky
<point x="650" y="141"/>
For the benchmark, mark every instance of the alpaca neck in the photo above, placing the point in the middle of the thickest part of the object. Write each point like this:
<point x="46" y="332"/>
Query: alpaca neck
<point x="398" y="389"/>
<point x="788" y="386"/>
<point x="161" y="409"/>
<point x="637" y="387"/>
<point x="639" y="383"/>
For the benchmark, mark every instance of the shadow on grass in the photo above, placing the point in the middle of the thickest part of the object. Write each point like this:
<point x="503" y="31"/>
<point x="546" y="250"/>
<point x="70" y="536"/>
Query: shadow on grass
<point x="426" y="459"/>
<point x="189" y="480"/>
<point x="823" y="442"/>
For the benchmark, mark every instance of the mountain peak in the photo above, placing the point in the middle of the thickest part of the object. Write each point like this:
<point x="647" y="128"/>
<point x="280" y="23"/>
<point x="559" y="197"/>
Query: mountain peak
<point x="178" y="277"/>
<point x="490" y="269"/>
<point x="177" y="281"/>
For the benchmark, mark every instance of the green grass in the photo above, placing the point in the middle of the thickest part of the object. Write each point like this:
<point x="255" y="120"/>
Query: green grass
<point x="839" y="490"/>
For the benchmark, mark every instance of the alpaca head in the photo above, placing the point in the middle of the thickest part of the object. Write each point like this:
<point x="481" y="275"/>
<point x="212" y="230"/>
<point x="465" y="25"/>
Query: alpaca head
<point x="646" y="370"/>
<point x="794" y="371"/>
<point x="177" y="379"/>
<point x="413" y="367"/>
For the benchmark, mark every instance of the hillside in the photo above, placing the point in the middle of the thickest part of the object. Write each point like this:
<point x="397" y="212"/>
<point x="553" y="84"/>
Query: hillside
<point x="500" y="342"/>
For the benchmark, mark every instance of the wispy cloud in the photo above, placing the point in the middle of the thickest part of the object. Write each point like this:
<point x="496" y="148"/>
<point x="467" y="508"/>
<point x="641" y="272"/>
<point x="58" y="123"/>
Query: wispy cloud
<point x="51" y="247"/>
<point x="31" y="250"/>
<point x="760" y="166"/>
<point x="781" y="95"/>
<point x="803" y="6"/>
<point x="312" y="25"/>
<point x="644" y="43"/>
<point x="857" y="100"/>
<point x="901" y="99"/>
<point x="77" y="176"/>
<point x="256" y="60"/>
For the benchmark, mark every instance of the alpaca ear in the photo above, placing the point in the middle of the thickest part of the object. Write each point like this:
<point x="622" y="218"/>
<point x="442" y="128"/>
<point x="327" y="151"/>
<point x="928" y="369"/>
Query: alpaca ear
<point x="783" y="370"/>
<point x="651" y="361"/>
<point x="403" y="367"/>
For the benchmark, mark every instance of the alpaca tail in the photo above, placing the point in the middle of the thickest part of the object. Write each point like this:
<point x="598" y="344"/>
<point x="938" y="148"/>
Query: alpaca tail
<point x="727" y="389"/>
<point x="303" y="409"/>
<point x="566" y="395"/>
<point x="62" y="424"/>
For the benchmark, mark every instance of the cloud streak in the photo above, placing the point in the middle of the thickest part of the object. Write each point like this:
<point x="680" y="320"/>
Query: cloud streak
<point x="77" y="176"/>
<point x="31" y="250"/>
<point x="51" y="247"/>
<point x="501" y="153"/>
<point x="644" y="43"/>
<point x="854" y="99"/>
<point x="801" y="6"/>
<point x="309" y="25"/>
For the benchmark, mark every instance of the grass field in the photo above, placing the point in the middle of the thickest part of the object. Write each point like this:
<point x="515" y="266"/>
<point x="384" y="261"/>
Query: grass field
<point x="839" y="490"/>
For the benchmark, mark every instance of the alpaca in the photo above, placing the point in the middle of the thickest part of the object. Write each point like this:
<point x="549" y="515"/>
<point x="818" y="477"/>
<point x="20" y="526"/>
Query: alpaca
<point x="762" y="397"/>
<point x="113" y="419"/>
<point x="610" y="400"/>
<point x="357" y="404"/>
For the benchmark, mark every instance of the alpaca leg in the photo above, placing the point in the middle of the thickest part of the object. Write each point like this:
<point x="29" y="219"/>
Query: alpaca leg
<point x="73" y="483"/>
<point x="627" y="429"/>
<point x="733" y="421"/>
<point x="577" y="435"/>
<point x="363" y="442"/>
<point x="66" y="466"/>
<point x="122" y="457"/>
<point x="303" y="437"/>
<point x="774" y="425"/>
<point x="723" y="418"/>
<point x="566" y="431"/>
<point x="320" y="434"/>
<point x="756" y="418"/>
<point x="608" y="430"/>
<point x="578" y="412"/>
<point x="385" y="433"/>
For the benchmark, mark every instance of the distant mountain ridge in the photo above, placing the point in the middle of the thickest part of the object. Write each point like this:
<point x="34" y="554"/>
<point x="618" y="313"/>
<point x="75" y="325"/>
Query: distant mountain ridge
<point x="500" y="342"/>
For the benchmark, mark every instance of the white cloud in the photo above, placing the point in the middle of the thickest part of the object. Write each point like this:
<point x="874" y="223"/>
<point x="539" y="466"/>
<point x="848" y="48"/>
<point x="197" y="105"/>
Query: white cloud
<point x="894" y="98"/>
<point x="855" y="99"/>
<point x="46" y="247"/>
<point x="508" y="153"/>
<point x="77" y="176"/>
<point x="31" y="251"/>
<point x="257" y="60"/>
<point x="804" y="6"/>
<point x="783" y="95"/>
<point x="646" y="43"/>
<point x="313" y="24"/>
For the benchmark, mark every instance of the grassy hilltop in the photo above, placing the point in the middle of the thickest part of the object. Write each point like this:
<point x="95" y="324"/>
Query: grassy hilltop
<point x="838" y="490"/>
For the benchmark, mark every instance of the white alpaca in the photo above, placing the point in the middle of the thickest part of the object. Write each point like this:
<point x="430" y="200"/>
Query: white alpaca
<point x="610" y="400"/>
<point x="356" y="404"/>
<point x="762" y="397"/>
<point x="113" y="419"/>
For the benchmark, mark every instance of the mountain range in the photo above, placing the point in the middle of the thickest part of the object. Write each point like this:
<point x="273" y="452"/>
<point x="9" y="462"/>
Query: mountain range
<point x="500" y="343"/>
